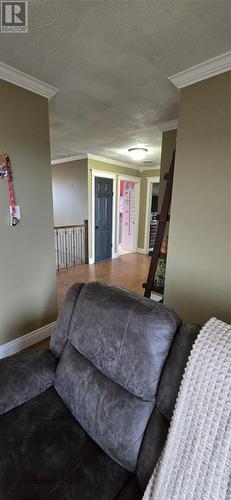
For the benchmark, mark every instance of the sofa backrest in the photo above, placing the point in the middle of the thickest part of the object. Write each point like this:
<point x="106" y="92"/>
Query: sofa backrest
<point x="112" y="346"/>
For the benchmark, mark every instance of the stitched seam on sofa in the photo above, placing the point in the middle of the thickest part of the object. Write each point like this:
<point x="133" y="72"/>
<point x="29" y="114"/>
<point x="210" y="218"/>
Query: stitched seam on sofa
<point x="134" y="306"/>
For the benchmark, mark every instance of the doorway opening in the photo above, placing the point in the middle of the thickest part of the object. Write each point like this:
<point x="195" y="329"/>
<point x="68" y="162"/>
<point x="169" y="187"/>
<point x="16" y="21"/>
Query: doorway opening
<point x="115" y="205"/>
<point x="127" y="216"/>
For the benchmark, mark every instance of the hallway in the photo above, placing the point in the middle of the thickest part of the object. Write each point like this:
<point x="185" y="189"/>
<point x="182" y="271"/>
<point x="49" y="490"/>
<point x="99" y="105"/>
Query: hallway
<point x="128" y="271"/>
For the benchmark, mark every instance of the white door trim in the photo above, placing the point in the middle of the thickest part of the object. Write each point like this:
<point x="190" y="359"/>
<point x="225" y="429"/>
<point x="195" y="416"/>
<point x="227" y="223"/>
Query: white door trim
<point x="106" y="175"/>
<point x="136" y="180"/>
<point x="150" y="181"/>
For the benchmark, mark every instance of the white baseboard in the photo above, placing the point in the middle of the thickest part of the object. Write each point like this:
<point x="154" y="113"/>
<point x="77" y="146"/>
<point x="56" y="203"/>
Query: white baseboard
<point x="25" y="341"/>
<point x="91" y="260"/>
<point x="141" y="250"/>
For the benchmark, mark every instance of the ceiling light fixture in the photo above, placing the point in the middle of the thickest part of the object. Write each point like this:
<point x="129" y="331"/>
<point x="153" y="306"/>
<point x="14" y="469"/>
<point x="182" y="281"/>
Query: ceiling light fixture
<point x="137" y="153"/>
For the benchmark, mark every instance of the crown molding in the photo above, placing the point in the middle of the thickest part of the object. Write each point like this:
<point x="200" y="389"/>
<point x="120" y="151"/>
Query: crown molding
<point x="66" y="159"/>
<point x="202" y="71"/>
<point x="113" y="162"/>
<point x="13" y="75"/>
<point x="171" y="125"/>
<point x="103" y="159"/>
<point x="149" y="167"/>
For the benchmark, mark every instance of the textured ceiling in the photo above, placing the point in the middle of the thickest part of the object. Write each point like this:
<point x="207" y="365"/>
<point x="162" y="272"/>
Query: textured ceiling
<point x="111" y="61"/>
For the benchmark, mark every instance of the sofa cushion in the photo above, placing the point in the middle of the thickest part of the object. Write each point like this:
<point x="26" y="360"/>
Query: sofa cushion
<point x="113" y="417"/>
<point x="45" y="454"/>
<point x="127" y="337"/>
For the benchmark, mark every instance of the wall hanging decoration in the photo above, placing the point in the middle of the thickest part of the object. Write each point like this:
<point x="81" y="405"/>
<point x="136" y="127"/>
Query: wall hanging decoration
<point x="6" y="172"/>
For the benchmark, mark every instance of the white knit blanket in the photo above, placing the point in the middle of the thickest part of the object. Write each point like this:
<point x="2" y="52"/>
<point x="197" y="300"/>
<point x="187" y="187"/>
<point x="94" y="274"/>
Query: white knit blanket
<point x="196" y="461"/>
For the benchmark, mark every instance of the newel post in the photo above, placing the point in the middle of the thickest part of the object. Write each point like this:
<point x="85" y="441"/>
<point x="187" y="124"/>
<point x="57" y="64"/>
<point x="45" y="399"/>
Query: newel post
<point x="86" y="240"/>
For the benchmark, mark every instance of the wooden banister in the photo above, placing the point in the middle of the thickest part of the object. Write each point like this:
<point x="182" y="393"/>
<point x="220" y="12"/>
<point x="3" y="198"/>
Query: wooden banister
<point x="69" y="225"/>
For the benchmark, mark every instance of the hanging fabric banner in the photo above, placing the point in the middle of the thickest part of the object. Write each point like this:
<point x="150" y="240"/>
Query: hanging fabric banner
<point x="6" y="171"/>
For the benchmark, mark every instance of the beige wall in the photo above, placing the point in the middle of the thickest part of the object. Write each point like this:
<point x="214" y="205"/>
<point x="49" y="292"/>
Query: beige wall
<point x="198" y="278"/>
<point x="27" y="256"/>
<point x="69" y="187"/>
<point x="143" y="203"/>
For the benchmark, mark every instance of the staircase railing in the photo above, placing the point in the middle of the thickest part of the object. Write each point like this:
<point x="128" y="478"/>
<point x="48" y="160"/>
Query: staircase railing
<point x="71" y="244"/>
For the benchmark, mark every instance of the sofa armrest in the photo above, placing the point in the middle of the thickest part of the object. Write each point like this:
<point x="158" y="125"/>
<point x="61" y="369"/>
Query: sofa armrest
<point x="25" y="375"/>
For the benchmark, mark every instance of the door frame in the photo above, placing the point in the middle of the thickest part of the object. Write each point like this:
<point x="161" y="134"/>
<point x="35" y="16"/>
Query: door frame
<point x="106" y="175"/>
<point x="150" y="181"/>
<point x="136" y="180"/>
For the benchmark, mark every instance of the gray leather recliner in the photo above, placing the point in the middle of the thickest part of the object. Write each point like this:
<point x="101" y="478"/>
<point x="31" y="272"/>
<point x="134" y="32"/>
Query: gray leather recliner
<point x="88" y="419"/>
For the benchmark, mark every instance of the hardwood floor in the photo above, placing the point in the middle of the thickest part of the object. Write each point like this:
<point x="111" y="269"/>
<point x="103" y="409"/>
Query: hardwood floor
<point x="128" y="271"/>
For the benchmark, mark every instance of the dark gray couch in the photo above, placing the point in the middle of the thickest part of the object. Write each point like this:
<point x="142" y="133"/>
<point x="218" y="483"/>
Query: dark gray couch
<point x="88" y="419"/>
